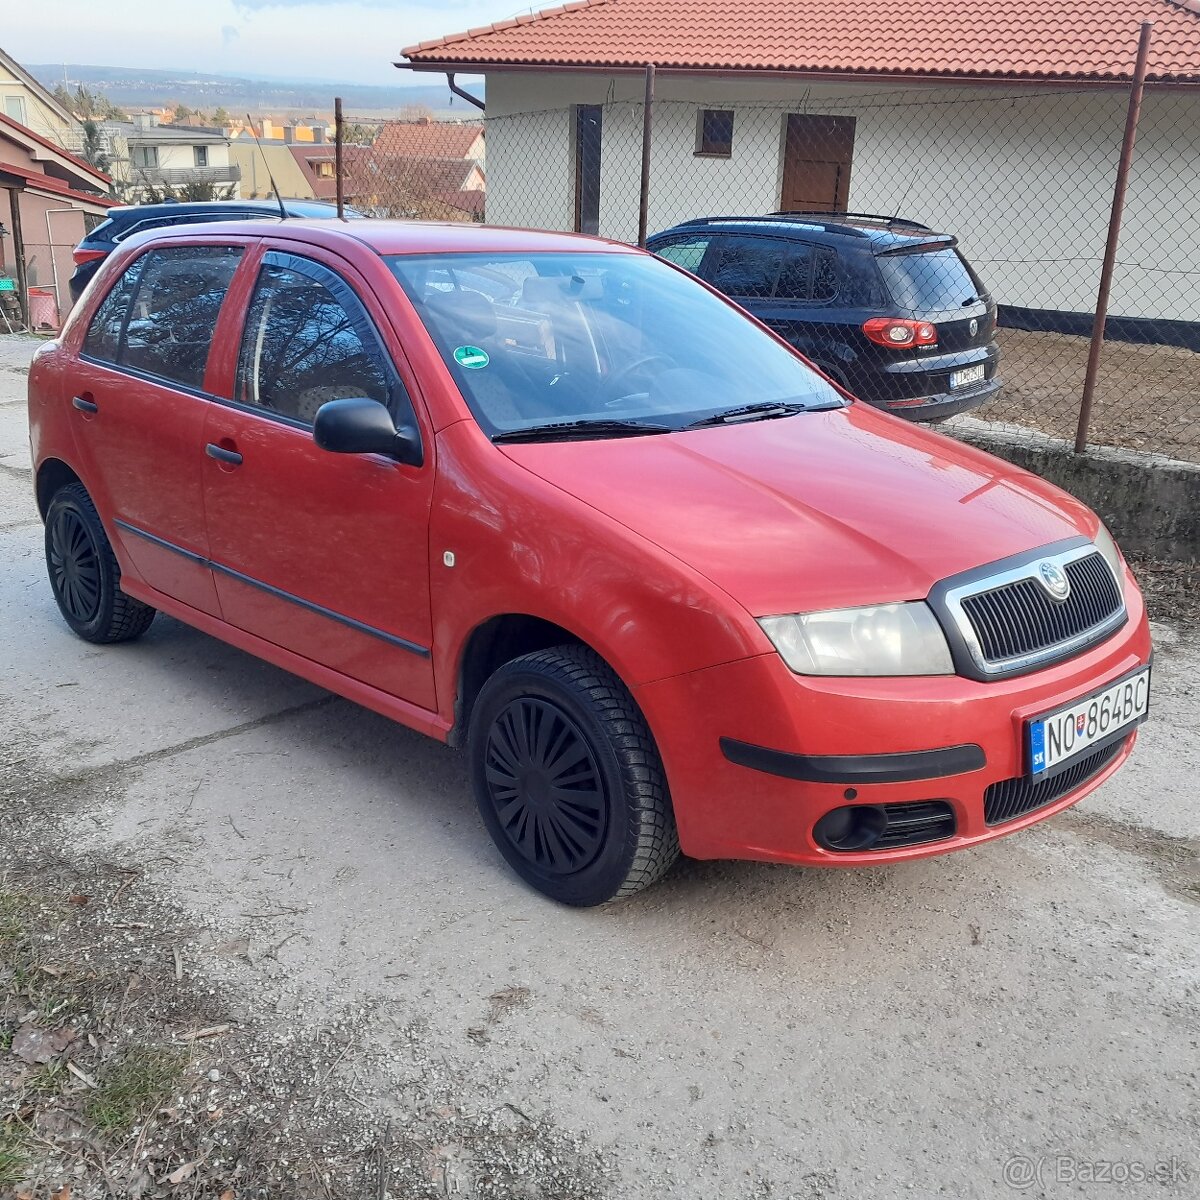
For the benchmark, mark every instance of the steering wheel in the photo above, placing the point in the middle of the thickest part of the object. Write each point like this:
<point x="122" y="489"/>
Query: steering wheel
<point x="618" y="382"/>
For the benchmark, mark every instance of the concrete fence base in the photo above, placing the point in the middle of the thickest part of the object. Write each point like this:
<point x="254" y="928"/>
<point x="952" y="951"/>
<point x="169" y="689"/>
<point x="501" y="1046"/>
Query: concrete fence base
<point x="1150" y="502"/>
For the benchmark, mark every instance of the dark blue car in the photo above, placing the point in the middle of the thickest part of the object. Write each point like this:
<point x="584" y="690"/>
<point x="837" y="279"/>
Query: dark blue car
<point x="886" y="307"/>
<point x="134" y="218"/>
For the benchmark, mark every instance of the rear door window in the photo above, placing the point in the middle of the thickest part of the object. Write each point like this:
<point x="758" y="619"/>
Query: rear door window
<point x="795" y="277"/>
<point x="929" y="280"/>
<point x="746" y="267"/>
<point x="161" y="315"/>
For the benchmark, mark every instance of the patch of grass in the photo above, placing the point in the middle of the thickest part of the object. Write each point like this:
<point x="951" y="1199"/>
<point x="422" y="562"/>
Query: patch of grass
<point x="14" y="912"/>
<point x="46" y="1080"/>
<point x="132" y="1085"/>
<point x="12" y="1155"/>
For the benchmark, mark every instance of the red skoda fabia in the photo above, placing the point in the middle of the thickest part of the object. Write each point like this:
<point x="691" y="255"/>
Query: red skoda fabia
<point x="555" y="500"/>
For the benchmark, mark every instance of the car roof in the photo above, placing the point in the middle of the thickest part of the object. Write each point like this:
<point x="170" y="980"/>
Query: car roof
<point x="129" y="216"/>
<point x="865" y="229"/>
<point x="183" y="208"/>
<point x="396" y="237"/>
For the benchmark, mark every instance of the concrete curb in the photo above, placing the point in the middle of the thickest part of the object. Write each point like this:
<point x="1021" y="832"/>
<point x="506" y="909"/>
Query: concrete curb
<point x="1150" y="502"/>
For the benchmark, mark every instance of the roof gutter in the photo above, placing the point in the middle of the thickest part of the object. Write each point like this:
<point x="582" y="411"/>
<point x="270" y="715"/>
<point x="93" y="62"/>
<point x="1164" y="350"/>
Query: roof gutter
<point x="459" y="91"/>
<point x="894" y="78"/>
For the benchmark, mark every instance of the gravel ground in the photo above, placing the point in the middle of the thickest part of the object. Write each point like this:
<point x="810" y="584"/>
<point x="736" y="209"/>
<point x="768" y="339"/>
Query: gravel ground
<point x="1145" y="399"/>
<point x="407" y="1020"/>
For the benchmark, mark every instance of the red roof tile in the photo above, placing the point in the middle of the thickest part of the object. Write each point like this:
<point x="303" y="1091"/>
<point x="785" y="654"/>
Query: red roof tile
<point x="426" y="139"/>
<point x="1030" y="39"/>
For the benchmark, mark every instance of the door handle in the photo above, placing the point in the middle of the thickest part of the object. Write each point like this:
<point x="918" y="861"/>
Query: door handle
<point x="83" y="404"/>
<point x="230" y="457"/>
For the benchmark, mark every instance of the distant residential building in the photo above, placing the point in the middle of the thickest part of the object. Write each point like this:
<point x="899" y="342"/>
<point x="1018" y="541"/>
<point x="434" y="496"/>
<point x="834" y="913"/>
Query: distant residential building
<point x="315" y="130"/>
<point x="149" y="156"/>
<point x="426" y="138"/>
<point x="428" y="169"/>
<point x="259" y="161"/>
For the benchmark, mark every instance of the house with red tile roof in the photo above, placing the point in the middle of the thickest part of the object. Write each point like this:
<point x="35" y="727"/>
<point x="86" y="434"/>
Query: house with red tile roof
<point x="426" y="138"/>
<point x="1000" y="121"/>
<point x="47" y="197"/>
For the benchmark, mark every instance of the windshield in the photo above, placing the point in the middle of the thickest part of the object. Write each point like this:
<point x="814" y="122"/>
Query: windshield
<point x="930" y="280"/>
<point x="550" y="339"/>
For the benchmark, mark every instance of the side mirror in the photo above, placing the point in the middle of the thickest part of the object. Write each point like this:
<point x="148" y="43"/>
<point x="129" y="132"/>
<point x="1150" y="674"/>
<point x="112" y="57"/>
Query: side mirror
<point x="358" y="425"/>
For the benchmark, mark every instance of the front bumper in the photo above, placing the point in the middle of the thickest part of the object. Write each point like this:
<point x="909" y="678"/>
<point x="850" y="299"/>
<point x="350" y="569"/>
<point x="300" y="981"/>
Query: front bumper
<point x="738" y="809"/>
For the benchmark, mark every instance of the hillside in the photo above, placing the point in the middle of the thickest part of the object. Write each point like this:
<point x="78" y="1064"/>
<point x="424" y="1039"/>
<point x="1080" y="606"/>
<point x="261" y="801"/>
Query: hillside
<point x="138" y="87"/>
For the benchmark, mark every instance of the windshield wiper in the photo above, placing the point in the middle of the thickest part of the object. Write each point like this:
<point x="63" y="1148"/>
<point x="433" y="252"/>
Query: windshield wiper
<point x="567" y="430"/>
<point x="763" y="411"/>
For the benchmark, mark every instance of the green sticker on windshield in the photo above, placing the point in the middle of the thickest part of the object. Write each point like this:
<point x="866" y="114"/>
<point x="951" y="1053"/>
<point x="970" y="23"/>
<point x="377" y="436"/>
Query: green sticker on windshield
<point x="471" y="357"/>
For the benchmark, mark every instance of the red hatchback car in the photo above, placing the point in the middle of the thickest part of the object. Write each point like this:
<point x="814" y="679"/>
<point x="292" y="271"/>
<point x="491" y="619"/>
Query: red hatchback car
<point x="552" y="498"/>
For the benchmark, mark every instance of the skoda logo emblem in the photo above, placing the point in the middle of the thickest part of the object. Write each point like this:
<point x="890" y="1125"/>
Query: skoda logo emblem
<point x="973" y="327"/>
<point x="1054" y="581"/>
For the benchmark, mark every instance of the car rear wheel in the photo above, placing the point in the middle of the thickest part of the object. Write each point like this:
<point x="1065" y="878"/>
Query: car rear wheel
<point x="568" y="779"/>
<point x="84" y="574"/>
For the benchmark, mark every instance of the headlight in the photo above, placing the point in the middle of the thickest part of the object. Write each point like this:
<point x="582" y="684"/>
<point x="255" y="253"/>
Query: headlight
<point x="1106" y="544"/>
<point x="886" y="639"/>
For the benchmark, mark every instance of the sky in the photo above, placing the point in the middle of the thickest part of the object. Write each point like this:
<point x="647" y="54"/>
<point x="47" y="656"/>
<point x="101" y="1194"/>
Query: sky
<point x="333" y="40"/>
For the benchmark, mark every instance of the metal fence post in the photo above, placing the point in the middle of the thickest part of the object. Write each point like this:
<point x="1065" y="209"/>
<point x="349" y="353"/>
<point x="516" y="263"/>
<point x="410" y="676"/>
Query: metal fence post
<point x="647" y="131"/>
<point x="337" y="156"/>
<point x="1114" y="234"/>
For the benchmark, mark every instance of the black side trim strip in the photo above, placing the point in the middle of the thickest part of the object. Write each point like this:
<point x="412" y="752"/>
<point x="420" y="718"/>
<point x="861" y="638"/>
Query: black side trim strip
<point x="190" y="555"/>
<point x="856" y="769"/>
<point x="250" y="581"/>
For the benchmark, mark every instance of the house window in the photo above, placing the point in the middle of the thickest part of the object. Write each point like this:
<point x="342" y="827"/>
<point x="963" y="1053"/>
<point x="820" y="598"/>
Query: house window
<point x="714" y="132"/>
<point x="145" y="156"/>
<point x="200" y="153"/>
<point x="14" y="108"/>
<point x="325" y="170"/>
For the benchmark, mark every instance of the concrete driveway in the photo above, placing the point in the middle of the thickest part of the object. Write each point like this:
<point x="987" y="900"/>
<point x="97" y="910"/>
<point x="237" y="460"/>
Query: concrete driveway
<point x="1002" y="1021"/>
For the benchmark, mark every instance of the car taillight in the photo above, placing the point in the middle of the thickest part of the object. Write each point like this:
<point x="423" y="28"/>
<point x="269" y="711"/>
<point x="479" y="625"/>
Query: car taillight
<point x="899" y="333"/>
<point x="85" y="256"/>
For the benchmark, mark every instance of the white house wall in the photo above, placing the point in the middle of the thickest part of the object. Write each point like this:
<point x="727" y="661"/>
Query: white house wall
<point x="1022" y="176"/>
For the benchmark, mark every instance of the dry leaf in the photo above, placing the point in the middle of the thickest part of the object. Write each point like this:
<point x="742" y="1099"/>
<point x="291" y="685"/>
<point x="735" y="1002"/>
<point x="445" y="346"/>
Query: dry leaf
<point x="63" y="1194"/>
<point x="184" y="1172"/>
<point x="34" y="1045"/>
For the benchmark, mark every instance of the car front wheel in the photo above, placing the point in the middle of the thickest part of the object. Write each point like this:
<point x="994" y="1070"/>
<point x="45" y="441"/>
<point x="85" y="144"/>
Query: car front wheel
<point x="84" y="574"/>
<point x="568" y="779"/>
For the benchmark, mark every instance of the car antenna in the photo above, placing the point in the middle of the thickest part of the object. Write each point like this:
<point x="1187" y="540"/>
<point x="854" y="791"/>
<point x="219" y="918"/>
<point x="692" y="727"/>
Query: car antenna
<point x="274" y="186"/>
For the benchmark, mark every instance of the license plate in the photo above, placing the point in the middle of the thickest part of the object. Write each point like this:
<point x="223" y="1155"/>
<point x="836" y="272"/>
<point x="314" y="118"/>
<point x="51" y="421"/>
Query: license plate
<point x="1058" y="737"/>
<point x="966" y="375"/>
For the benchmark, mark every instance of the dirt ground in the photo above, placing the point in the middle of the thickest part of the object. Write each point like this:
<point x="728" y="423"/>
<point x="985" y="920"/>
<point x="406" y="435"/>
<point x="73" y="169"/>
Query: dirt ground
<point x="256" y="945"/>
<point x="1147" y="397"/>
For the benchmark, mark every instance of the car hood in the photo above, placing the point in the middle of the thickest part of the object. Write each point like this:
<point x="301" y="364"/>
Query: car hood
<point x="818" y="510"/>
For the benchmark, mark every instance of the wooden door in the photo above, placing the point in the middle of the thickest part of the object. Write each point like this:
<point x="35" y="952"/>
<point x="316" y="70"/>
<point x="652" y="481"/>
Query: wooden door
<point x="817" y="153"/>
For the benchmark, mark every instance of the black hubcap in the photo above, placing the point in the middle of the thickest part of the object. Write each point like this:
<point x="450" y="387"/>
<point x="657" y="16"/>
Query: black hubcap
<point x="545" y="786"/>
<point x="74" y="565"/>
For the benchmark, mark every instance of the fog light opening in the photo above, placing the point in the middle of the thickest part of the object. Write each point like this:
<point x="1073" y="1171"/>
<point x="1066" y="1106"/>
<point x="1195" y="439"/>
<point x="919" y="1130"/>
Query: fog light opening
<point x="854" y="827"/>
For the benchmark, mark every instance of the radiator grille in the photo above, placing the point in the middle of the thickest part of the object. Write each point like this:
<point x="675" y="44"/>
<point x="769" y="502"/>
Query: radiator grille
<point x="1021" y="618"/>
<point x="1012" y="798"/>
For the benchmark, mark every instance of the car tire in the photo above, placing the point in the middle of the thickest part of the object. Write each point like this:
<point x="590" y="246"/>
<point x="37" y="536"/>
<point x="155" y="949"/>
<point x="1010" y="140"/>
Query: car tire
<point x="85" y="576"/>
<point x="568" y="779"/>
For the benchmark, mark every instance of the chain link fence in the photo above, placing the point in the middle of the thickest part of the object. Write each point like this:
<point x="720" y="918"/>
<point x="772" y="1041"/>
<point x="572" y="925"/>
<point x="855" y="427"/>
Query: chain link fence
<point x="1022" y="178"/>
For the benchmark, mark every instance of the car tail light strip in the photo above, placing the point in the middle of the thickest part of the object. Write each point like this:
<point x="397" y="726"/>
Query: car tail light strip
<point x="899" y="334"/>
